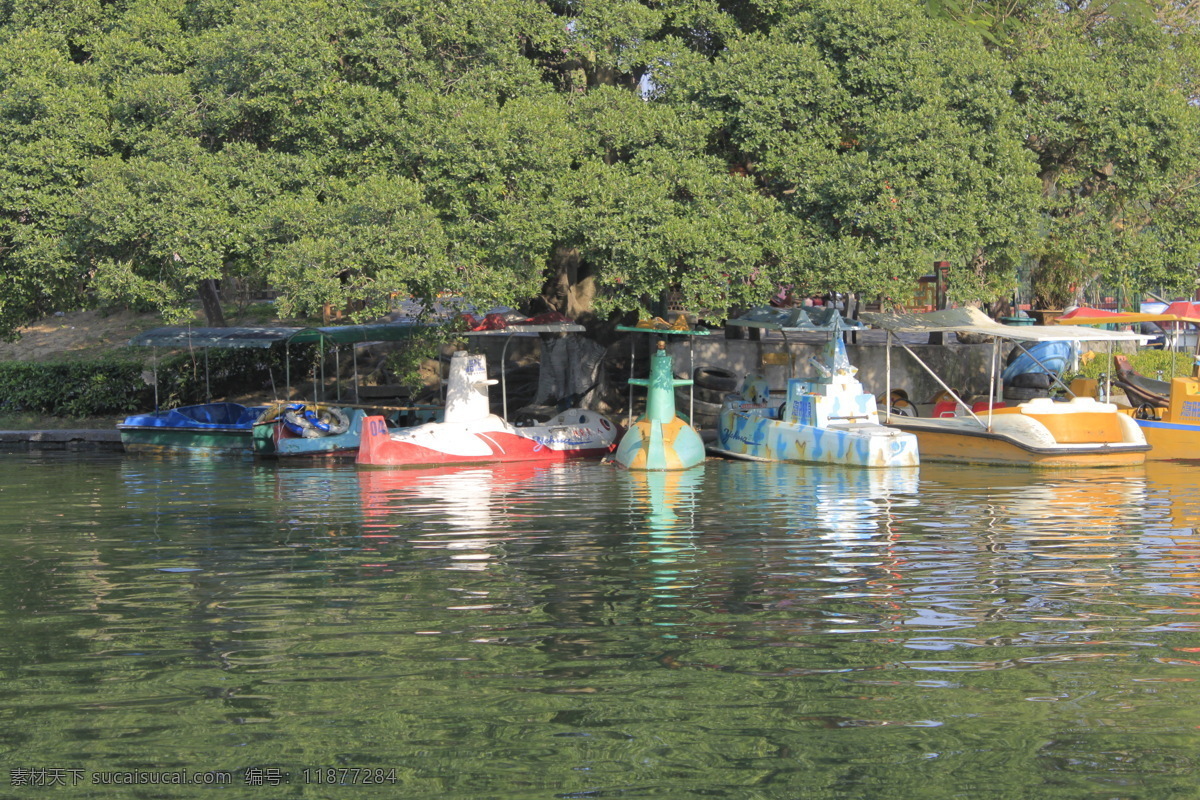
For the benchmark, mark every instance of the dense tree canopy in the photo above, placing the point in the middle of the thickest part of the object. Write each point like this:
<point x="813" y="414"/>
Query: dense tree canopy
<point x="591" y="153"/>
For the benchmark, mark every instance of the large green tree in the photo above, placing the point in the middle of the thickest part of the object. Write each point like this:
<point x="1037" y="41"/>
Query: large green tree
<point x="890" y="133"/>
<point x="591" y="153"/>
<point x="1109" y="113"/>
<point x="1107" y="94"/>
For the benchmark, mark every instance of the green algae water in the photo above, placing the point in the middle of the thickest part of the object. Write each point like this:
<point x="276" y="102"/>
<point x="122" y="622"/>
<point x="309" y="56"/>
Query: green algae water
<point x="190" y="629"/>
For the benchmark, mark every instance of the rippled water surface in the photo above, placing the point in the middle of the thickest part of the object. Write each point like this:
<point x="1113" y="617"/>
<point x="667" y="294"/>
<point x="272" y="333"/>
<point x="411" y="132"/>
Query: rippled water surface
<point x="736" y="631"/>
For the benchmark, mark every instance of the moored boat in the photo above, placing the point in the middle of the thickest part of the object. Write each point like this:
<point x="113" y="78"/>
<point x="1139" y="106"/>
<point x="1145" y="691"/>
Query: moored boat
<point x="1041" y="432"/>
<point x="1167" y="412"/>
<point x="828" y="419"/>
<point x="205" y="429"/>
<point x="1081" y="432"/>
<point x="299" y="430"/>
<point x="230" y="427"/>
<point x="660" y="439"/>
<point x="471" y="434"/>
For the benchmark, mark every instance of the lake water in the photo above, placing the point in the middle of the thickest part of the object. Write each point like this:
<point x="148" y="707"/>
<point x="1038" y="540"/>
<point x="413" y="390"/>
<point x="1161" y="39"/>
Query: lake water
<point x="738" y="631"/>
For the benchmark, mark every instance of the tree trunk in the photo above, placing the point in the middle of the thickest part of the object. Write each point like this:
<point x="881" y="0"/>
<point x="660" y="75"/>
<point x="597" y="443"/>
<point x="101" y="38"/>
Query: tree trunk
<point x="210" y="298"/>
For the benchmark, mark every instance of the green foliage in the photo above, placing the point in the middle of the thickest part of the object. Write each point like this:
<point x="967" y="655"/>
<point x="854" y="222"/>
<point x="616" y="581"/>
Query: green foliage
<point x="347" y="151"/>
<point x="1117" y="146"/>
<point x="197" y="377"/>
<point x="891" y="136"/>
<point x="108" y="386"/>
<point x="73" y="388"/>
<point x="406" y="362"/>
<point x="1173" y="364"/>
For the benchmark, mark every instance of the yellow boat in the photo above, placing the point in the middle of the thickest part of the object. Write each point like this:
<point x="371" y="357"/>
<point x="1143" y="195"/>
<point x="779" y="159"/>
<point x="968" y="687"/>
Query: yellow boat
<point x="1081" y="432"/>
<point x="1037" y="433"/>
<point x="1168" y="413"/>
<point x="1173" y="433"/>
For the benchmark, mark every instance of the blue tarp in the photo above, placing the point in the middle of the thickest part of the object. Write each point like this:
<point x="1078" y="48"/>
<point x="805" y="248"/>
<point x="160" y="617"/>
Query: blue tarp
<point x="200" y="417"/>
<point x="1056" y="356"/>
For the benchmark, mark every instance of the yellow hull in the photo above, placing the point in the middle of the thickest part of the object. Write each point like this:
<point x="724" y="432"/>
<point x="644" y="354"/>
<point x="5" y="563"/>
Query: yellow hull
<point x="1173" y="433"/>
<point x="964" y="444"/>
<point x="1170" y="441"/>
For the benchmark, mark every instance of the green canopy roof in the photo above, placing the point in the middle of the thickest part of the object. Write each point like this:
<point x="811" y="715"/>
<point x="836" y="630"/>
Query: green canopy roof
<point x="186" y="336"/>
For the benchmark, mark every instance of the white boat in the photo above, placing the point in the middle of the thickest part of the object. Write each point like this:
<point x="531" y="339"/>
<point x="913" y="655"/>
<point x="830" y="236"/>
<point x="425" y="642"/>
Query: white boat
<point x="471" y="434"/>
<point x="828" y="419"/>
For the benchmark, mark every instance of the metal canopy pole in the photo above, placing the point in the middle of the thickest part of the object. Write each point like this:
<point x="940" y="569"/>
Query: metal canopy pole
<point x="691" y="377"/>
<point x="321" y="370"/>
<point x="354" y="359"/>
<point x="504" y="377"/>
<point x="942" y="383"/>
<point x="1108" y="374"/>
<point x="887" y="381"/>
<point x="992" y="379"/>
<point x="632" y="358"/>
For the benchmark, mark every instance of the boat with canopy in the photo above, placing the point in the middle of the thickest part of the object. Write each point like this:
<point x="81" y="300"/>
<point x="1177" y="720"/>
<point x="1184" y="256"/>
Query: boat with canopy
<point x="1042" y="432"/>
<point x="827" y="418"/>
<point x="282" y="429"/>
<point x="1167" y="412"/>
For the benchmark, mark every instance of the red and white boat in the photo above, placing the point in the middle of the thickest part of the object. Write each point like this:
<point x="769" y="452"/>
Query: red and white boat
<point x="471" y="434"/>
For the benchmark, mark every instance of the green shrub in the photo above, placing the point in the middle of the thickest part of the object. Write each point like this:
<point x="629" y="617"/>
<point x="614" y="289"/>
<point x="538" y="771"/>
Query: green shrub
<point x="1145" y="362"/>
<point x="189" y="378"/>
<point x="120" y="385"/>
<point x="72" y="388"/>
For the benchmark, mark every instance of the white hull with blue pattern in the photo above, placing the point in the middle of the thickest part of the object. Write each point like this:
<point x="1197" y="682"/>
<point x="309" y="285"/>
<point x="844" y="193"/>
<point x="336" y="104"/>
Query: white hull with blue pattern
<point x="829" y="420"/>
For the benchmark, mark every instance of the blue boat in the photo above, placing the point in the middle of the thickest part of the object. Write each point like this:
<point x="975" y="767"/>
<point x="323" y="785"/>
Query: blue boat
<point x="205" y="429"/>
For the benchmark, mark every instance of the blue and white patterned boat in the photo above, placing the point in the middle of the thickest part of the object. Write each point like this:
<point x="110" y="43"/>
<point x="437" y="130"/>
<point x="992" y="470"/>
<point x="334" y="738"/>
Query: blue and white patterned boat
<point x="828" y="419"/>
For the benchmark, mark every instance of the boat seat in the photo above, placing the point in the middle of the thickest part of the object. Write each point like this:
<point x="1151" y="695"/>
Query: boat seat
<point x="945" y="408"/>
<point x="1075" y="422"/>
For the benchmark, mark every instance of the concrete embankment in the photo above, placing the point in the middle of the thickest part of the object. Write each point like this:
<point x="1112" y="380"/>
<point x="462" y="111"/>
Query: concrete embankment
<point x="98" y="440"/>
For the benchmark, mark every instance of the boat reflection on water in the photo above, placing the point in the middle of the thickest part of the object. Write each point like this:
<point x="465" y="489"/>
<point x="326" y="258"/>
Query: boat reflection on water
<point x="663" y="507"/>
<point x="1172" y="528"/>
<point x="666" y="499"/>
<point x="831" y="503"/>
<point x="461" y="509"/>
<point x="1057" y="504"/>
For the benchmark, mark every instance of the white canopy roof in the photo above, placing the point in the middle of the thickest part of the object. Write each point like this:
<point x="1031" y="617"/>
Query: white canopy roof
<point x="972" y="320"/>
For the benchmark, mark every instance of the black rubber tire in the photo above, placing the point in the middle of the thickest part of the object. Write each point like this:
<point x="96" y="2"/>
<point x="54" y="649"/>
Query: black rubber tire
<point x="704" y="415"/>
<point x="716" y="379"/>
<point x="705" y="395"/>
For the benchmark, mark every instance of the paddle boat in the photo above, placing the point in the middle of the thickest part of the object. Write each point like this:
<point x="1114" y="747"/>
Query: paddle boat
<point x="828" y="419"/>
<point x="1040" y="432"/>
<point x="660" y="439"/>
<point x="215" y="428"/>
<point x="1167" y="412"/>
<point x="304" y="430"/>
<point x="205" y="429"/>
<point x="471" y="434"/>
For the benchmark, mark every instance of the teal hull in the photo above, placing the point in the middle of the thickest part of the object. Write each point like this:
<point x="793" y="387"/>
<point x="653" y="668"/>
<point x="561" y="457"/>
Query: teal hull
<point x="163" y="441"/>
<point x="273" y="440"/>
